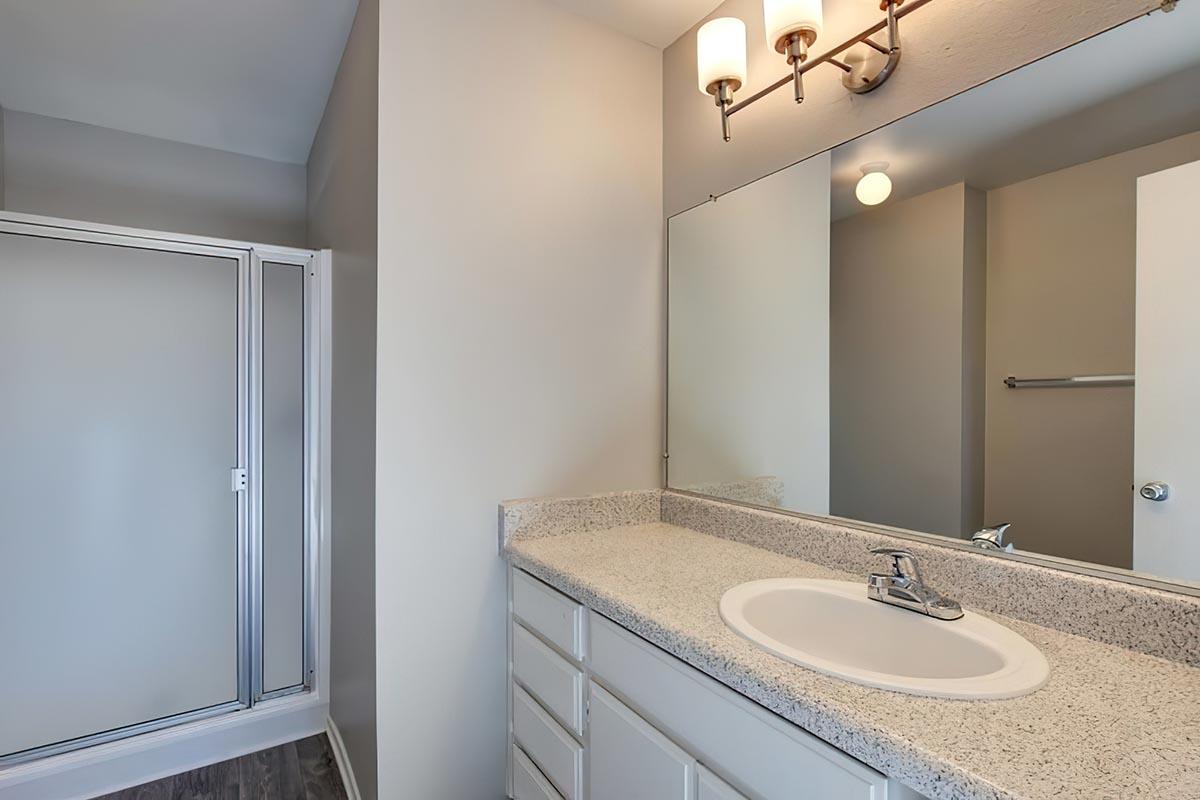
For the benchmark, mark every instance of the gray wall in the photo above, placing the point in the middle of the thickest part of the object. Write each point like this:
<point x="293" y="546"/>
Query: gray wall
<point x="949" y="46"/>
<point x="906" y="337"/>
<point x="1060" y="299"/>
<point x="342" y="182"/>
<point x="67" y="169"/>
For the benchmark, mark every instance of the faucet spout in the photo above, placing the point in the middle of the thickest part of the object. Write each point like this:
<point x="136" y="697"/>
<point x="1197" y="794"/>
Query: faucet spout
<point x="905" y="588"/>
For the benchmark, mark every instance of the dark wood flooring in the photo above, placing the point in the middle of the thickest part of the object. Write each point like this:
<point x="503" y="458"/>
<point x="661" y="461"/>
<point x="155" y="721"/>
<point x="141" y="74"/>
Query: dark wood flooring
<point x="302" y="770"/>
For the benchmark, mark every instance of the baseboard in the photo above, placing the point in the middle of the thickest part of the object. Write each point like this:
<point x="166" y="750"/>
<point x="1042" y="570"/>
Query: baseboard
<point x="118" y="765"/>
<point x="343" y="759"/>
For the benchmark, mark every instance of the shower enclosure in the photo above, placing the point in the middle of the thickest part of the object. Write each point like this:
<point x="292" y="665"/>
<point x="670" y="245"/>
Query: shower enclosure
<point x="159" y="480"/>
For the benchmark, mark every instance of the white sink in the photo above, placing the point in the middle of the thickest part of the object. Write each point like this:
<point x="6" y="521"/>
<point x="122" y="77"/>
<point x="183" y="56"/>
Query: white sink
<point x="832" y="627"/>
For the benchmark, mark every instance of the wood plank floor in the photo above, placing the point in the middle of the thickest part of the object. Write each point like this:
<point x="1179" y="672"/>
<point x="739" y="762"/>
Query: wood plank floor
<point x="303" y="770"/>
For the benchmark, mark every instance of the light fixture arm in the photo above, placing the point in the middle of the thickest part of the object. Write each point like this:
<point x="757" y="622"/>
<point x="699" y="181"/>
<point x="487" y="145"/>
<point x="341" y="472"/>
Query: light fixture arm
<point x="724" y="99"/>
<point x="797" y="53"/>
<point x="861" y="81"/>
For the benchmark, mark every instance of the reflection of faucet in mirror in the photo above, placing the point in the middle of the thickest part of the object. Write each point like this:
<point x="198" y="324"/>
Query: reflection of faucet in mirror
<point x="992" y="538"/>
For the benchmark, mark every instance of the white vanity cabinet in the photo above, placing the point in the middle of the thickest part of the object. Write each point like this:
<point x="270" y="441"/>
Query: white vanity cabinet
<point x="597" y="713"/>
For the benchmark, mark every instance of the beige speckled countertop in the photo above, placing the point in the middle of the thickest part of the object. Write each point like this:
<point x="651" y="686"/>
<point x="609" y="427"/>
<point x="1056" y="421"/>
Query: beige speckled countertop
<point x="1109" y="724"/>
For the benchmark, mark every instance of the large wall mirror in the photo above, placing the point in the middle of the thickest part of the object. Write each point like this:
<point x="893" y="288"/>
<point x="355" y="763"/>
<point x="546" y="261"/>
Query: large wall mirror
<point x="1010" y="337"/>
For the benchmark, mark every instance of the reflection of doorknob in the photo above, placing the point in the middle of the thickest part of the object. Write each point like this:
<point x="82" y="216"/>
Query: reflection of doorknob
<point x="1156" y="491"/>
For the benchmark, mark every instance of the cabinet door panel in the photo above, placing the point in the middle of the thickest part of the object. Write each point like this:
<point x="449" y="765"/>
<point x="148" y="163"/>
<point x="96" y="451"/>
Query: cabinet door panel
<point x="558" y="618"/>
<point x="710" y="787"/>
<point x="558" y="756"/>
<point x="528" y="781"/>
<point x="549" y="677"/>
<point x="767" y="755"/>
<point x="630" y="760"/>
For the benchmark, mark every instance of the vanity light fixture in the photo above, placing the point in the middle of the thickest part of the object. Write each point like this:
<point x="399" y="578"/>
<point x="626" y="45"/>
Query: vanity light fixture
<point x="721" y="62"/>
<point x="792" y="27"/>
<point x="874" y="186"/>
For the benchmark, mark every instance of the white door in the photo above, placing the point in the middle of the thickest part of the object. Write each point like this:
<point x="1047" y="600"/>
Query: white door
<point x="1166" y="539"/>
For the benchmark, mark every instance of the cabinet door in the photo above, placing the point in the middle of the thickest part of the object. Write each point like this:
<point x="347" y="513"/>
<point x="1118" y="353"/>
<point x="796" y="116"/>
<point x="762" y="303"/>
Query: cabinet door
<point x="710" y="787"/>
<point x="630" y="760"/>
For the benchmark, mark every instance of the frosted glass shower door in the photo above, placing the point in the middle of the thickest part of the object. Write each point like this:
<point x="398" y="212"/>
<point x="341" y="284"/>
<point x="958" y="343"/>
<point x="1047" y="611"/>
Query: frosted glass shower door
<point x="283" y="476"/>
<point x="122" y="416"/>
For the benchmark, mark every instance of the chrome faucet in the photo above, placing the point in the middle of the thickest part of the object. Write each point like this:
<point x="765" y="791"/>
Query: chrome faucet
<point x="992" y="538"/>
<point x="905" y="588"/>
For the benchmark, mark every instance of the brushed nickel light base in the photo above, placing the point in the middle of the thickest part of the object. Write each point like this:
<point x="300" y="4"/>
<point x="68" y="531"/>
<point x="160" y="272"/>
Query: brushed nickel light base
<point x="868" y="68"/>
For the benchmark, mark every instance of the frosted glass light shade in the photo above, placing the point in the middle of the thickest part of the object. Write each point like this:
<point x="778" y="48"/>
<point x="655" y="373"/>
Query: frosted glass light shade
<point x="721" y="52"/>
<point x="784" y="17"/>
<point x="874" y="186"/>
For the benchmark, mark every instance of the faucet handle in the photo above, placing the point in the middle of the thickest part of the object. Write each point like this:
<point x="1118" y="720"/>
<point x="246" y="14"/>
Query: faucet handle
<point x="911" y="571"/>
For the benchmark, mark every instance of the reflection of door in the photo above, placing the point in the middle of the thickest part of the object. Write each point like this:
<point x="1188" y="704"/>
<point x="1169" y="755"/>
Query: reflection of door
<point x="1166" y="538"/>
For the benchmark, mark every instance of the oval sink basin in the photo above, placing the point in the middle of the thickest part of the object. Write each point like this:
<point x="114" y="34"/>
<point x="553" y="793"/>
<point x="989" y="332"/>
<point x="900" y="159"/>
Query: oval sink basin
<point x="832" y="627"/>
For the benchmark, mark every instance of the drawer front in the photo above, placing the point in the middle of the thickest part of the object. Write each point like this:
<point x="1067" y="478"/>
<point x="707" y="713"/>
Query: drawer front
<point x="630" y="760"/>
<point x="528" y="781"/>
<point x="549" y="677"/>
<point x="557" y="755"/>
<point x="710" y="787"/>
<point x="556" y="617"/>
<point x="767" y="756"/>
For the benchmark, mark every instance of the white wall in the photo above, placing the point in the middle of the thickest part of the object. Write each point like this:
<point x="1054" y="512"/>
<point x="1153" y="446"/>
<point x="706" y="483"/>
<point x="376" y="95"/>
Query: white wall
<point x="67" y="169"/>
<point x="342" y="197"/>
<point x="749" y="344"/>
<point x="520" y="291"/>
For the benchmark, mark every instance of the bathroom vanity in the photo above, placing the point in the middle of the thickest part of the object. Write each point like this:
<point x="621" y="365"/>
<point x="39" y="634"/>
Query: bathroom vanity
<point x="625" y="682"/>
<point x="584" y="690"/>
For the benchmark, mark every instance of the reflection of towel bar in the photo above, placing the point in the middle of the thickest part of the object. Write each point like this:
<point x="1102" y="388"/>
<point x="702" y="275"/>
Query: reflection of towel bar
<point x="1076" y="381"/>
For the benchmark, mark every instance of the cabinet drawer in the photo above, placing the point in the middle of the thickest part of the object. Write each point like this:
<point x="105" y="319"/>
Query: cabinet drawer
<point x="630" y="760"/>
<point x="551" y="748"/>
<point x="766" y="755"/>
<point x="558" y="618"/>
<point x="710" y="787"/>
<point x="528" y="781"/>
<point x="549" y="677"/>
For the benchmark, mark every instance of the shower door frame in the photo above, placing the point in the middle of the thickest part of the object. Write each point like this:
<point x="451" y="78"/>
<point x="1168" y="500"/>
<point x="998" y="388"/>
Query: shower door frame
<point x="249" y="529"/>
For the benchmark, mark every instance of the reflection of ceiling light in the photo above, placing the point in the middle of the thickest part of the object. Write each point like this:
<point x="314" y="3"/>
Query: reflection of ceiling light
<point x="874" y="186"/>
